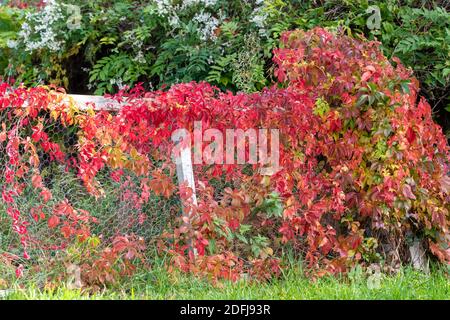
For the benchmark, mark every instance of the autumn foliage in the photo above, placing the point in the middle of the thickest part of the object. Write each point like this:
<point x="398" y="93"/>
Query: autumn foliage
<point x="365" y="170"/>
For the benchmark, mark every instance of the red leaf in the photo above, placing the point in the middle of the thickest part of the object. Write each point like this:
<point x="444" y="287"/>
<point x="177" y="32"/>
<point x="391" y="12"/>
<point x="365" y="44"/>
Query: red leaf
<point x="36" y="180"/>
<point x="445" y="184"/>
<point x="53" y="222"/>
<point x="410" y="135"/>
<point x="46" y="195"/>
<point x="439" y="252"/>
<point x="161" y="185"/>
<point x="36" y="136"/>
<point x="366" y="76"/>
<point x="19" y="271"/>
<point x="7" y="196"/>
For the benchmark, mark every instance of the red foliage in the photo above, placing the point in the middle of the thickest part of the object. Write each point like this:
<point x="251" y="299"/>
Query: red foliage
<point x="363" y="164"/>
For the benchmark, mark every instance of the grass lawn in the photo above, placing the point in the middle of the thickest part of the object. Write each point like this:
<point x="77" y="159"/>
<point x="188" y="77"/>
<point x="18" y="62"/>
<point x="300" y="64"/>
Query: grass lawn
<point x="158" y="284"/>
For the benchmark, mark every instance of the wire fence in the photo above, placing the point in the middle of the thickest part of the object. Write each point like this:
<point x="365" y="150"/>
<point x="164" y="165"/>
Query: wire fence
<point x="49" y="183"/>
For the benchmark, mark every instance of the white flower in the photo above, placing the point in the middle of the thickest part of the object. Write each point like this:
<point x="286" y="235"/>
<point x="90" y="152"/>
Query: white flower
<point x="11" y="44"/>
<point x="208" y="24"/>
<point x="163" y="7"/>
<point x="259" y="20"/>
<point x="174" y="21"/>
<point x="205" y="3"/>
<point x="167" y="8"/>
<point x="139" y="58"/>
<point x="118" y="82"/>
<point x="38" y="31"/>
<point x="259" y="16"/>
<point x="262" y="32"/>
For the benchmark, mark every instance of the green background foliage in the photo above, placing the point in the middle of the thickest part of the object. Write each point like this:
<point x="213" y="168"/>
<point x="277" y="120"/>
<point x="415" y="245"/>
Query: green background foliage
<point x="123" y="42"/>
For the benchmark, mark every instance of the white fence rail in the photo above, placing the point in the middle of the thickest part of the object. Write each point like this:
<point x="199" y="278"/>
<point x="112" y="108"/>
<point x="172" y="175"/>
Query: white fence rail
<point x="99" y="102"/>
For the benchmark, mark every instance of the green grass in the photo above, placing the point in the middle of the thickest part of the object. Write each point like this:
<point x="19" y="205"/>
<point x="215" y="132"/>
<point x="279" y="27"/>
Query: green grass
<point x="158" y="284"/>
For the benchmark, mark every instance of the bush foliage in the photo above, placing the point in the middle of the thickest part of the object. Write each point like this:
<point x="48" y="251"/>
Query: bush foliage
<point x="365" y="170"/>
<point x="227" y="43"/>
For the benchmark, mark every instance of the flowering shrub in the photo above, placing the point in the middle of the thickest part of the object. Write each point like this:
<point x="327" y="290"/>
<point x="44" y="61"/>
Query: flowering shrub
<point x="364" y="169"/>
<point x="127" y="41"/>
<point x="105" y="45"/>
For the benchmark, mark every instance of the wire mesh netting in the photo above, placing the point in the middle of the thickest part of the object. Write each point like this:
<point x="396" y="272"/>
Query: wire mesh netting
<point x="45" y="202"/>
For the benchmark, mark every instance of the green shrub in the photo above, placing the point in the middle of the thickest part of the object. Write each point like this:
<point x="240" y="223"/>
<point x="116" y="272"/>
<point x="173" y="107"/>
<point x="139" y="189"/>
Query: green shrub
<point x="227" y="43"/>
<point x="9" y="25"/>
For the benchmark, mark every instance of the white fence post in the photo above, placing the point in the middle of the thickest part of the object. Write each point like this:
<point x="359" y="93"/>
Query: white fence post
<point x="183" y="161"/>
<point x="185" y="174"/>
